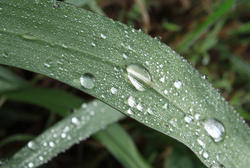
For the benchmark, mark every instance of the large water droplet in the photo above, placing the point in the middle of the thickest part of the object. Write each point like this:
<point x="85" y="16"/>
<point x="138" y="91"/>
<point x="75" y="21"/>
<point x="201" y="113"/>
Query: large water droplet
<point x="51" y="144"/>
<point x="215" y="129"/>
<point x="205" y="155"/>
<point x="138" y="76"/>
<point x="31" y="145"/>
<point x="188" y="119"/>
<point x="87" y="81"/>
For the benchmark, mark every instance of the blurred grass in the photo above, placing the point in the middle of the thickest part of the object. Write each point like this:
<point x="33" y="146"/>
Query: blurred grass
<point x="213" y="39"/>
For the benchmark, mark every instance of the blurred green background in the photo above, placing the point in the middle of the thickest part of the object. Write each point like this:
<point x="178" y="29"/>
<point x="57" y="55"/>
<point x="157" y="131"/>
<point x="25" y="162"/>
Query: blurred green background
<point x="213" y="35"/>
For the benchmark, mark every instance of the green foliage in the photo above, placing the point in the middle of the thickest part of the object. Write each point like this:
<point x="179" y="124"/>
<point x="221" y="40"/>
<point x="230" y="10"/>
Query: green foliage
<point x="126" y="69"/>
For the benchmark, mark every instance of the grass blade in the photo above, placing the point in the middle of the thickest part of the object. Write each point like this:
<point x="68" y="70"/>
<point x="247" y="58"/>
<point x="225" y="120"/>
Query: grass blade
<point x="126" y="69"/>
<point x="190" y="39"/>
<point x="48" y="98"/>
<point x="74" y="128"/>
<point x="121" y="146"/>
<point x="10" y="81"/>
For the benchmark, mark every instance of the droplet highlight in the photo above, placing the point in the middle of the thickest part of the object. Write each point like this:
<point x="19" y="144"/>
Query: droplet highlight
<point x="87" y="81"/>
<point x="138" y="76"/>
<point x="215" y="129"/>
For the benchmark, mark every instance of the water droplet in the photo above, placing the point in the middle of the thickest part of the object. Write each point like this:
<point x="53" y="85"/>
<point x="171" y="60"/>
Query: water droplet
<point x="197" y="116"/>
<point x="130" y="112"/>
<point x="177" y="84"/>
<point x="131" y="101"/>
<point x="31" y="145"/>
<point x="41" y="158"/>
<point x="87" y="81"/>
<point x="215" y="129"/>
<point x="188" y="119"/>
<point x="165" y="106"/>
<point x="30" y="165"/>
<point x="113" y="90"/>
<point x="47" y="65"/>
<point x="139" y="107"/>
<point x="138" y="76"/>
<point x="124" y="56"/>
<point x="75" y="121"/>
<point x="103" y="36"/>
<point x="165" y="91"/>
<point x="51" y="144"/>
<point x="93" y="44"/>
<point x="63" y="135"/>
<point x="150" y="111"/>
<point x="205" y="155"/>
<point x="5" y="55"/>
<point x="201" y="143"/>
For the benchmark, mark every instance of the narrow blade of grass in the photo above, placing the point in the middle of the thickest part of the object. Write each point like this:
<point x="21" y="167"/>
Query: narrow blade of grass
<point x="72" y="129"/>
<point x="126" y="69"/>
<point x="193" y="36"/>
<point x="121" y="146"/>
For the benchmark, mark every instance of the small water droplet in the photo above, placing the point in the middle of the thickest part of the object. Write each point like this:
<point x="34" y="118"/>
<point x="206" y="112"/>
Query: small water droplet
<point x="165" y="106"/>
<point x="124" y="56"/>
<point x="113" y="90"/>
<point x="5" y="55"/>
<point x="165" y="91"/>
<point x="150" y="111"/>
<point x="205" y="155"/>
<point x="103" y="36"/>
<point x="75" y="121"/>
<point x="177" y="84"/>
<point x="31" y="145"/>
<point x="87" y="81"/>
<point x="139" y="107"/>
<point x="47" y="65"/>
<point x="130" y="112"/>
<point x="30" y="165"/>
<point x="41" y="158"/>
<point x="188" y="119"/>
<point x="215" y="129"/>
<point x="51" y="144"/>
<point x="138" y="76"/>
<point x="201" y="143"/>
<point x="63" y="135"/>
<point x="93" y="44"/>
<point x="131" y="101"/>
<point x="197" y="116"/>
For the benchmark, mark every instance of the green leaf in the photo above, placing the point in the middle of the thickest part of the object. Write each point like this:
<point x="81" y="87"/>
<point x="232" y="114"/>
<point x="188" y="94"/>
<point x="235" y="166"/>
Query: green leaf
<point x="78" y="126"/>
<point x="126" y="69"/>
<point x="224" y="7"/>
<point x="47" y="98"/>
<point x="9" y="81"/>
<point x="121" y="146"/>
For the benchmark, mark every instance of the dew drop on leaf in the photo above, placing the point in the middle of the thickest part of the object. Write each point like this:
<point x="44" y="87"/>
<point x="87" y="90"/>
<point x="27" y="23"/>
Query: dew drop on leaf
<point x="103" y="36"/>
<point x="51" y="144"/>
<point x="75" y="121"/>
<point x="40" y="158"/>
<point x="138" y="76"/>
<point x="87" y="81"/>
<point x="113" y="90"/>
<point x="31" y="145"/>
<point x="205" y="155"/>
<point x="215" y="129"/>
<point x="188" y="119"/>
<point x="131" y="101"/>
<point x="177" y="84"/>
<point x="30" y="165"/>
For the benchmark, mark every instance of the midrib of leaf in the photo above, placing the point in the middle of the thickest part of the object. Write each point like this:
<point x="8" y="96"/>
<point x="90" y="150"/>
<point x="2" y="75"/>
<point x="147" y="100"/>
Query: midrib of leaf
<point x="109" y="53"/>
